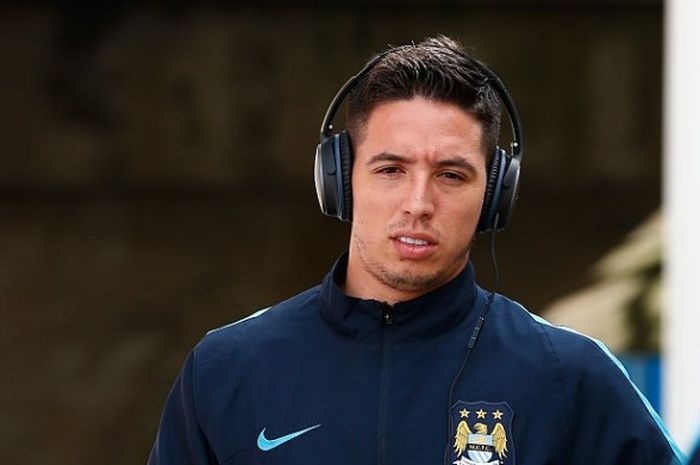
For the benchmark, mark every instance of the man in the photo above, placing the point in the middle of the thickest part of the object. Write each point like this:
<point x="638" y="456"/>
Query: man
<point x="398" y="357"/>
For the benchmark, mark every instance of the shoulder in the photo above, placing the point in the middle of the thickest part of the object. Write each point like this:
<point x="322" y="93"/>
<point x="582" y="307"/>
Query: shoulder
<point x="579" y="363"/>
<point x="571" y="350"/>
<point x="590" y="378"/>
<point x="239" y="353"/>
<point x="244" y="338"/>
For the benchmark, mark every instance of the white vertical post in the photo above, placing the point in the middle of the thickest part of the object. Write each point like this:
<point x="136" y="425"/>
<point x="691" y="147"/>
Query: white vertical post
<point x="681" y="131"/>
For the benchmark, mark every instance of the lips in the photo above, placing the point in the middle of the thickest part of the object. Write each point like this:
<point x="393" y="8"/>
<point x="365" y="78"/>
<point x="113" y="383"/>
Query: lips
<point x="414" y="246"/>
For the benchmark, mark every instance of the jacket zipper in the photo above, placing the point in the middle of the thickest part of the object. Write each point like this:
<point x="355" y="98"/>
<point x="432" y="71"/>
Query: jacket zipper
<point x="387" y="321"/>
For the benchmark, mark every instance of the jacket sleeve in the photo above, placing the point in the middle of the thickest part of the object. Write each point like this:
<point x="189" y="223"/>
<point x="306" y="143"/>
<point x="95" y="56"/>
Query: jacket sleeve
<point x="615" y="423"/>
<point x="695" y="455"/>
<point x="180" y="439"/>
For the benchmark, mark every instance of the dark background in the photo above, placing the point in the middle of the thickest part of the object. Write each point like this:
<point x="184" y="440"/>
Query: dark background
<point x="156" y="180"/>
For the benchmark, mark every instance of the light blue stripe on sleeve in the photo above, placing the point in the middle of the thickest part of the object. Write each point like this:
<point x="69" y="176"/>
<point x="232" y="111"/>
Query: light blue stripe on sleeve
<point x="249" y="317"/>
<point x="679" y="457"/>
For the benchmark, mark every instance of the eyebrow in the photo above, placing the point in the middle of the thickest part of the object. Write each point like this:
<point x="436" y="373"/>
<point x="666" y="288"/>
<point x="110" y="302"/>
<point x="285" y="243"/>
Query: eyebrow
<point x="456" y="162"/>
<point x="388" y="156"/>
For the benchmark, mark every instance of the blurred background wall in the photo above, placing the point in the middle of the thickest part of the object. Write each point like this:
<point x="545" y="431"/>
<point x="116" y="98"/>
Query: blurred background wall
<point x="156" y="179"/>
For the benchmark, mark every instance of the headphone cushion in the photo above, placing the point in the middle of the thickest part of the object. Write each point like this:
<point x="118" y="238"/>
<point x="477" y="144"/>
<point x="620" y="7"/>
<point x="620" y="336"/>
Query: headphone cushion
<point x="345" y="155"/>
<point x="487" y="211"/>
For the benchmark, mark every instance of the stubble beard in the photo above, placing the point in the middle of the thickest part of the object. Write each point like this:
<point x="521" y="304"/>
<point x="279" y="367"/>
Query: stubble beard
<point x="407" y="280"/>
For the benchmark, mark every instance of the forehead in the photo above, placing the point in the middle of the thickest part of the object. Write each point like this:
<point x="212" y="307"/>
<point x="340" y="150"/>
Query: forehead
<point x="421" y="127"/>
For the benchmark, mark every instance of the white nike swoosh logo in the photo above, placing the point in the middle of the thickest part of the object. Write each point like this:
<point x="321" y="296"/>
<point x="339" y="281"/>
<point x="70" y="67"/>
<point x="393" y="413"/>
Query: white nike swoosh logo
<point x="269" y="444"/>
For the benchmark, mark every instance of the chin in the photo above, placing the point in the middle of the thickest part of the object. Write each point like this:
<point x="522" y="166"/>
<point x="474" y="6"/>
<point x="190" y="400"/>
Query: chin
<point x="415" y="280"/>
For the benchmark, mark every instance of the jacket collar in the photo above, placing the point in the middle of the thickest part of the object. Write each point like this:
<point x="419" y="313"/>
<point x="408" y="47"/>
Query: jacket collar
<point x="423" y="317"/>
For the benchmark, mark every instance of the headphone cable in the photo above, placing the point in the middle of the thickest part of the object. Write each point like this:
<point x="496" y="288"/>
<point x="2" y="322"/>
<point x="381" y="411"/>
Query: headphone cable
<point x="474" y="336"/>
<point x="494" y="262"/>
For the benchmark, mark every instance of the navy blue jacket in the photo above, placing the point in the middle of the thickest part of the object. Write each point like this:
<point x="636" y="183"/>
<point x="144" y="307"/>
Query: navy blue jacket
<point x="326" y="378"/>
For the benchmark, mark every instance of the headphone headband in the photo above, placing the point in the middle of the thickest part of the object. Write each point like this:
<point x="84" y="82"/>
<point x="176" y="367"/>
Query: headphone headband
<point x="492" y="80"/>
<point x="327" y="123"/>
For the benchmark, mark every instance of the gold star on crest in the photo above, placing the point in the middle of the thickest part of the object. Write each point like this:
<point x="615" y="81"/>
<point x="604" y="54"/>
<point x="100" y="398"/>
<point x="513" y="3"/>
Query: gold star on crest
<point x="464" y="413"/>
<point x="497" y="415"/>
<point x="480" y="414"/>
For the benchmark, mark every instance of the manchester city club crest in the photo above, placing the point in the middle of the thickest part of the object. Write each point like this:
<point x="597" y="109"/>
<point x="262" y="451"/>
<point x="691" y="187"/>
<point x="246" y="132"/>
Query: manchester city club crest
<point x="482" y="434"/>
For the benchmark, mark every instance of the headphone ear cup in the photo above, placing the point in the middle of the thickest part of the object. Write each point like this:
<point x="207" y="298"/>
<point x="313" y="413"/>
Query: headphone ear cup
<point x="508" y="192"/>
<point x="325" y="173"/>
<point x="332" y="176"/>
<point x="491" y="194"/>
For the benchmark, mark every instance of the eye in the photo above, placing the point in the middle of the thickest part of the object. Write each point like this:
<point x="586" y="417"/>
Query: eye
<point x="452" y="176"/>
<point x="389" y="171"/>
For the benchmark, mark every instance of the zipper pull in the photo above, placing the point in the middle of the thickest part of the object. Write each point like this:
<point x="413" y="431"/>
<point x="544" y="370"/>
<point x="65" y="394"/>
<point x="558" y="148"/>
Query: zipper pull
<point x="387" y="316"/>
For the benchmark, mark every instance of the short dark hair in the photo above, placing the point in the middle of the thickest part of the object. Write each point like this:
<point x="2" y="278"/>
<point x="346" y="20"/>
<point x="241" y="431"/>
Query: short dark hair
<point x="438" y="68"/>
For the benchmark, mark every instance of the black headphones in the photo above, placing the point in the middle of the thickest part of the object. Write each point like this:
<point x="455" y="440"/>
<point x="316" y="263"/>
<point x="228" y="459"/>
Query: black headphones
<point x="334" y="155"/>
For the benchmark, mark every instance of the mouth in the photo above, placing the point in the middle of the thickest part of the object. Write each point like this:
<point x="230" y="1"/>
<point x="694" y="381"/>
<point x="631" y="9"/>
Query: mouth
<point x="414" y="246"/>
<point x="412" y="240"/>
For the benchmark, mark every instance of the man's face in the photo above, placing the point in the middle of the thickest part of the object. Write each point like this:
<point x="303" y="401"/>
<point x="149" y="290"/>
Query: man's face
<point x="418" y="184"/>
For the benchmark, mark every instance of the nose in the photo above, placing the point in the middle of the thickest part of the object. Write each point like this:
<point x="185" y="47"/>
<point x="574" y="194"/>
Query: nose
<point x="420" y="200"/>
